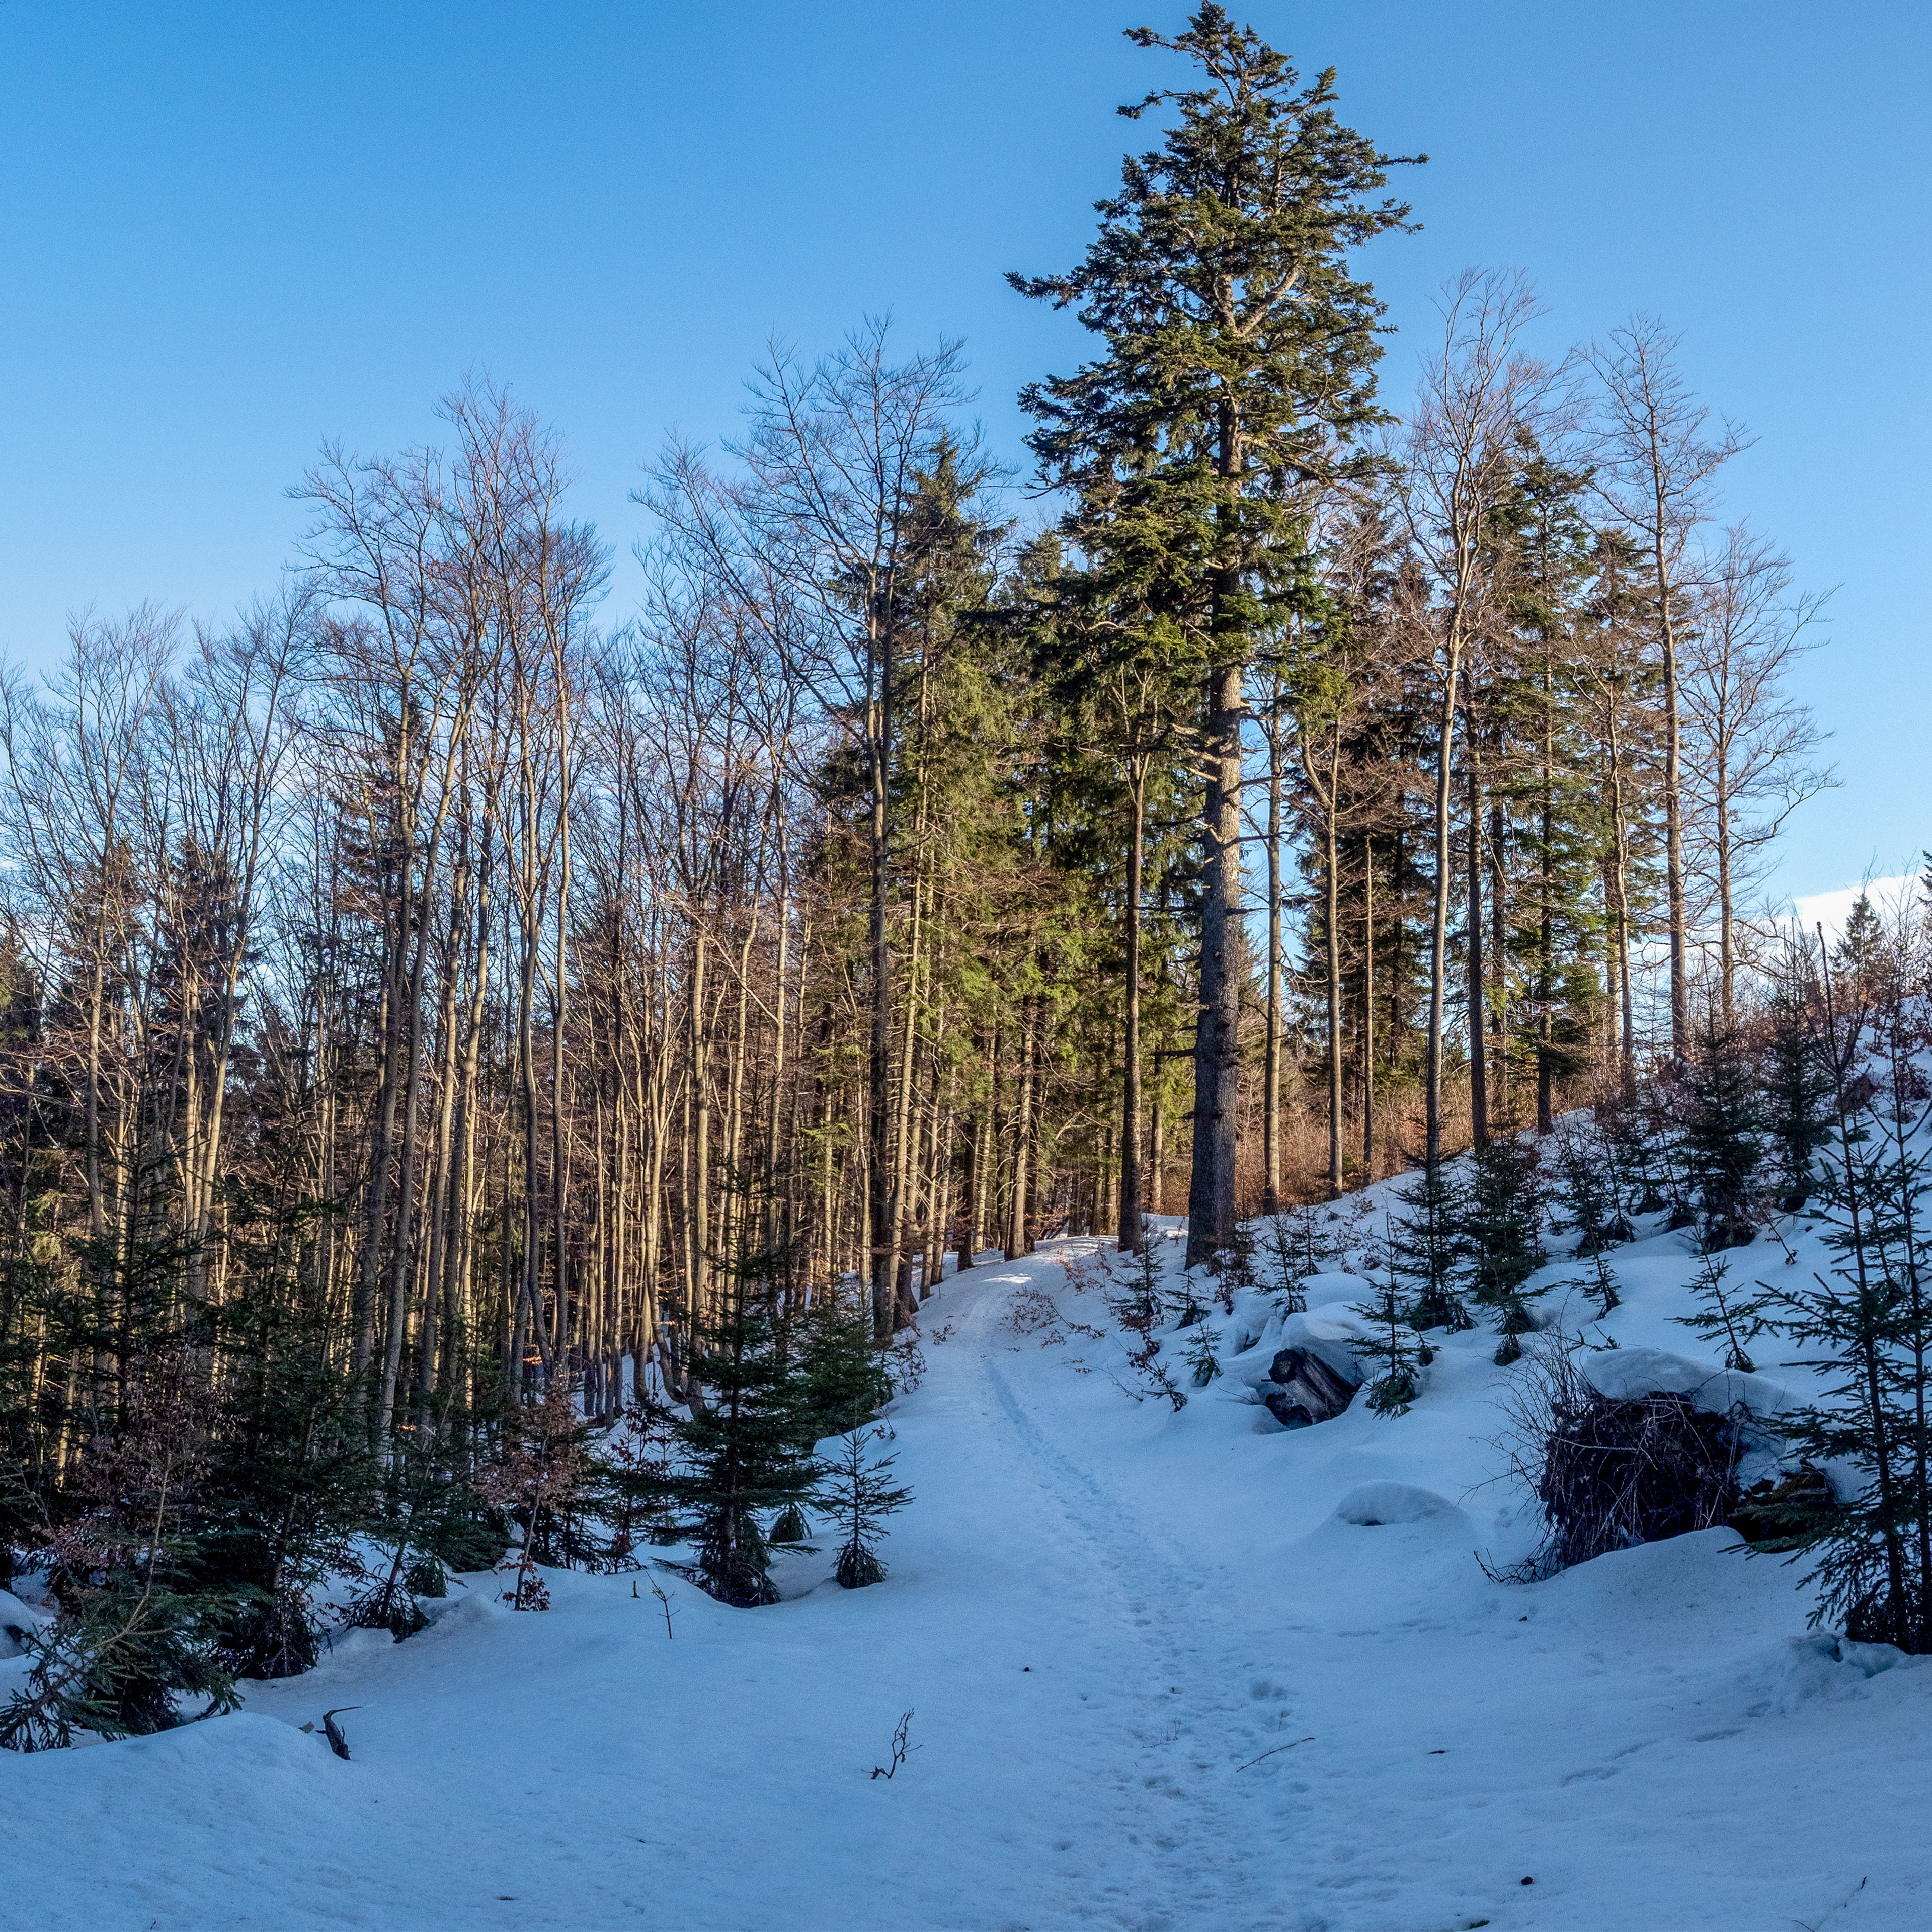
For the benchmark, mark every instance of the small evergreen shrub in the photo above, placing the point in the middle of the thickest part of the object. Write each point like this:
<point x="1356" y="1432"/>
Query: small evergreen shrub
<point x="858" y="1494"/>
<point x="1202" y="1361"/>
<point x="1427" y="1250"/>
<point x="1394" y="1357"/>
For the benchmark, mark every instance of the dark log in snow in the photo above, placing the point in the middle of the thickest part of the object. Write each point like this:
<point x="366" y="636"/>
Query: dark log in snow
<point x="1309" y="1391"/>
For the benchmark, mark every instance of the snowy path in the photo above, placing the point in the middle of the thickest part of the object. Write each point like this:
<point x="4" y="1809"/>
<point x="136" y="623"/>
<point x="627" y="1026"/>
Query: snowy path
<point x="1102" y="1614"/>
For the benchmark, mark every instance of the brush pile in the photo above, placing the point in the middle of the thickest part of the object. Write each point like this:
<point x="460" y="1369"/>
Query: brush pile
<point x="1619" y="1470"/>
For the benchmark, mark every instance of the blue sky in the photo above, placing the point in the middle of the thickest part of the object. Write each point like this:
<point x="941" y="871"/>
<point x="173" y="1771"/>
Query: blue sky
<point x="229" y="231"/>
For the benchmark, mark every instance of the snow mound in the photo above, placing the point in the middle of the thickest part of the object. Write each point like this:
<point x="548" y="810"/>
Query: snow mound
<point x="1319" y="1290"/>
<point x="1623" y="1373"/>
<point x="1822" y="1665"/>
<point x="1372" y="1505"/>
<point x="1337" y="1326"/>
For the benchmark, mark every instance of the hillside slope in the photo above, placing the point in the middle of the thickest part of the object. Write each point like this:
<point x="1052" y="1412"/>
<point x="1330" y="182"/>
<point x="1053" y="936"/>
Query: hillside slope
<point x="1167" y="1669"/>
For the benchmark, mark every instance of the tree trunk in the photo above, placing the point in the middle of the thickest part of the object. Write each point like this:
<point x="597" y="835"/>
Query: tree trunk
<point x="1019" y="1240"/>
<point x="1479" y="1091"/>
<point x="1673" y="804"/>
<point x="1271" y="1066"/>
<point x="1332" y="868"/>
<point x="1130" y="1232"/>
<point x="1546" y="936"/>
<point x="1438" y="945"/>
<point x="878" y="1071"/>
<point x="1368" y="1009"/>
<point x="1211" y="1194"/>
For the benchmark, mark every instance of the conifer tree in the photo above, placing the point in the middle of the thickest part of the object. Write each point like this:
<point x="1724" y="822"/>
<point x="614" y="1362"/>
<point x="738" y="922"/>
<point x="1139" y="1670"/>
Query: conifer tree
<point x="1727" y="1312"/>
<point x="1544" y="540"/>
<point x="1871" y="1319"/>
<point x="285" y="1491"/>
<point x="1184" y="1305"/>
<point x="1500" y="1222"/>
<point x="1238" y="369"/>
<point x="1142" y="1306"/>
<point x="838" y="1371"/>
<point x="1861" y="947"/>
<point x="1395" y="1354"/>
<point x="790" y="1526"/>
<point x="1797" y="1086"/>
<point x="1427" y="1248"/>
<point x="141" y="1628"/>
<point x="859" y="1493"/>
<point x="744" y="1454"/>
<point x="1294" y="1251"/>
<point x="1587" y="1189"/>
<point x="1500" y="1218"/>
<point x="1722" y="1133"/>
<point x="1202" y="1361"/>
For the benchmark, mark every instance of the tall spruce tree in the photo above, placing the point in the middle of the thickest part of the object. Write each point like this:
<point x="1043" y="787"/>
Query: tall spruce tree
<point x="1238" y="374"/>
<point x="1546" y="786"/>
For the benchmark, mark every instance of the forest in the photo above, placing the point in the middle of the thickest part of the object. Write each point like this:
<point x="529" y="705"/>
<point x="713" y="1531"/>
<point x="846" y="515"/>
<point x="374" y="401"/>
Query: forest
<point x="486" y="1075"/>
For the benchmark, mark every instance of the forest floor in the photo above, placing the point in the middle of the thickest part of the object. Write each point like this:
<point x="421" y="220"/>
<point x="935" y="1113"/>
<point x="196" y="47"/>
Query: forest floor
<point x="1165" y="1669"/>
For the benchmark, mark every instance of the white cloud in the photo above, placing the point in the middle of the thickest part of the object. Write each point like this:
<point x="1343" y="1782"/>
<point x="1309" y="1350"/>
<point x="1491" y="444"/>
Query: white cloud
<point x="1831" y="910"/>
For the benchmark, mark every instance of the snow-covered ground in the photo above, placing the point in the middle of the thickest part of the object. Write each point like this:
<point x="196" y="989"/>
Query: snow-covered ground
<point x="1165" y="1669"/>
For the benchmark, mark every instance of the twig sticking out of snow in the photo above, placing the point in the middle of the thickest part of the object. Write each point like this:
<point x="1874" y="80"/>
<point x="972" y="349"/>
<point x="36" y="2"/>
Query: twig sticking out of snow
<point x="1278" y="1748"/>
<point x="664" y="1605"/>
<point x="902" y="1750"/>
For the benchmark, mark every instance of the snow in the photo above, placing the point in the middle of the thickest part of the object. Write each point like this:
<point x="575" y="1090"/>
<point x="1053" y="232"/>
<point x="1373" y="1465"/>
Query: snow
<point x="1623" y="1372"/>
<point x="1166" y="1670"/>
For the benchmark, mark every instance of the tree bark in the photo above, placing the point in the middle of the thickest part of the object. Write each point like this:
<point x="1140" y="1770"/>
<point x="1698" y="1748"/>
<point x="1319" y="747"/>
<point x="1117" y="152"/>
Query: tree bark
<point x="1479" y="1091"/>
<point x="1130" y="1233"/>
<point x="1211" y="1194"/>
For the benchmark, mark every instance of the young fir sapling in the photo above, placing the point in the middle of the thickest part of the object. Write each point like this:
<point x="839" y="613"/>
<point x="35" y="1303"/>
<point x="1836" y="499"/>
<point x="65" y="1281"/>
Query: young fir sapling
<point x="1306" y="1230"/>
<point x="1288" y="1263"/>
<point x="1395" y="1354"/>
<point x="858" y="1494"/>
<point x="1201" y="1357"/>
<point x="1870" y="1322"/>
<point x="1184" y="1303"/>
<point x="138" y="1630"/>
<point x="1588" y="1196"/>
<point x="749" y="1450"/>
<point x="1721" y="1134"/>
<point x="790" y="1526"/>
<point x="1426" y="1250"/>
<point x="1797" y="1084"/>
<point x="1501" y="1214"/>
<point x="1726" y="1314"/>
<point x="1138" y="1309"/>
<point x="1658" y="1123"/>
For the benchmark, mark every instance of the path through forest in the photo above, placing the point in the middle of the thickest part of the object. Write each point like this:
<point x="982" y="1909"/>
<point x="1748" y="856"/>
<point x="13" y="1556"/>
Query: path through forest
<point x="1157" y="1680"/>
